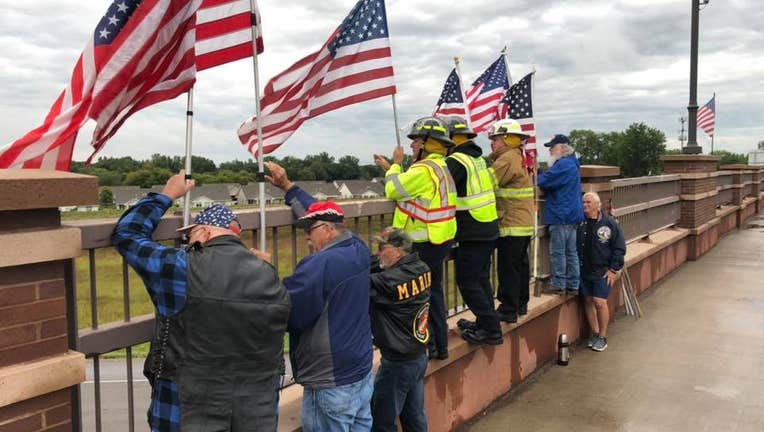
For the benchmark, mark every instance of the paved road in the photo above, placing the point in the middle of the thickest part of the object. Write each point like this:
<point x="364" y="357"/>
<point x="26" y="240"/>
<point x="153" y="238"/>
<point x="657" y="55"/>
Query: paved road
<point x="693" y="363"/>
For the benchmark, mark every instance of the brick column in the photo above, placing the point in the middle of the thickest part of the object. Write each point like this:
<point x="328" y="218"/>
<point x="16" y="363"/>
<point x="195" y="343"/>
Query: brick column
<point x="596" y="178"/>
<point x="758" y="188"/>
<point x="698" y="198"/>
<point x="37" y="369"/>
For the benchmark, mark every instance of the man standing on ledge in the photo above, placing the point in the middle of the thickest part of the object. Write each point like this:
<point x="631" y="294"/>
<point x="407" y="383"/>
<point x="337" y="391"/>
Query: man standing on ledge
<point x="217" y="348"/>
<point x="562" y="213"/>
<point x="425" y="209"/>
<point x="602" y="248"/>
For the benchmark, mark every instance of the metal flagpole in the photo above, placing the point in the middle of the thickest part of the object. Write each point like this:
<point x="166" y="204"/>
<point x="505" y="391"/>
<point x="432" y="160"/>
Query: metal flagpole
<point x="395" y="118"/>
<point x="189" y="141"/>
<point x="260" y="168"/>
<point x="505" y="54"/>
<point x="464" y="96"/>
<point x="712" y="135"/>
<point x="536" y="203"/>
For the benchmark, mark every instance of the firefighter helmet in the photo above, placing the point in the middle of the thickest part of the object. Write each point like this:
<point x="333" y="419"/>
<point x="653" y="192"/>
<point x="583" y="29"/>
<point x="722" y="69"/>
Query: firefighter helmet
<point x="506" y="127"/>
<point x="431" y="127"/>
<point x="458" y="125"/>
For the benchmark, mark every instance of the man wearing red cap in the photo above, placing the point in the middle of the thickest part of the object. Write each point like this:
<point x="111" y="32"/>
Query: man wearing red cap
<point x="221" y="318"/>
<point x="329" y="327"/>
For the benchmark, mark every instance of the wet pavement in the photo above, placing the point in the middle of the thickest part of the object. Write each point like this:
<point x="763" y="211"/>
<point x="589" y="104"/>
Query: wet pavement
<point x="694" y="362"/>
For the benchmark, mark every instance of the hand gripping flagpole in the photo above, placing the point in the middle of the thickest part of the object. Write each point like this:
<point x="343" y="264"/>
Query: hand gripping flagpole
<point x="464" y="95"/>
<point x="260" y="168"/>
<point x="189" y="141"/>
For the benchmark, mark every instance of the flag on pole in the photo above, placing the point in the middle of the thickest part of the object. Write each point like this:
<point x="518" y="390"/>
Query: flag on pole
<point x="451" y="101"/>
<point x="707" y="116"/>
<point x="354" y="65"/>
<point x="518" y="104"/>
<point x="486" y="93"/>
<point x="224" y="33"/>
<point x="141" y="53"/>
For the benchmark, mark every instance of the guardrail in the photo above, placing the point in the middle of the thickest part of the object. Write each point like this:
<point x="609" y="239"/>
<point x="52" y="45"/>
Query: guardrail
<point x="644" y="205"/>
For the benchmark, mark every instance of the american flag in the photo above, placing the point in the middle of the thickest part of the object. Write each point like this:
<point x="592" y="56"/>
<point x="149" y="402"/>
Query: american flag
<point x="518" y="105"/>
<point x="707" y="116"/>
<point x="353" y="66"/>
<point x="141" y="53"/>
<point x="451" y="101"/>
<point x="486" y="93"/>
<point x="223" y="32"/>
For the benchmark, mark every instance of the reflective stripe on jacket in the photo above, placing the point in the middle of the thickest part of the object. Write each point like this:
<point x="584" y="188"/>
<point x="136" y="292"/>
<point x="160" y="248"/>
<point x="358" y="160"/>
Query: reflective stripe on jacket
<point x="426" y="199"/>
<point x="514" y="193"/>
<point x="480" y="199"/>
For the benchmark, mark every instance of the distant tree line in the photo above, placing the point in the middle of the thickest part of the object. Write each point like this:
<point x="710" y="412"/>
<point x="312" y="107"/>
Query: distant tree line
<point x="126" y="171"/>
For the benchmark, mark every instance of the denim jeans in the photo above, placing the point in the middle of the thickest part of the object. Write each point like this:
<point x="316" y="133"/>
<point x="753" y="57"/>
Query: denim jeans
<point x="340" y="409"/>
<point x="399" y="391"/>
<point x="564" y="256"/>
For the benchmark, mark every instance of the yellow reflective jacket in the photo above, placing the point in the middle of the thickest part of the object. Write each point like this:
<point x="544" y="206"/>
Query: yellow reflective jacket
<point x="514" y="193"/>
<point x="425" y="198"/>
<point x="480" y="200"/>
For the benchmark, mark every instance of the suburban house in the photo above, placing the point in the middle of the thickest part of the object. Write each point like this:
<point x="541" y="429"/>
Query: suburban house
<point x="320" y="190"/>
<point x="360" y="189"/>
<point x="218" y="193"/>
<point x="250" y="194"/>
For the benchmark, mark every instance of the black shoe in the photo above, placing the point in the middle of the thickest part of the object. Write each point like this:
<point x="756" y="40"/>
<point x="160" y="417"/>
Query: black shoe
<point x="483" y="337"/>
<point x="437" y="355"/>
<point x="523" y="311"/>
<point x="507" y="317"/>
<point x="465" y="324"/>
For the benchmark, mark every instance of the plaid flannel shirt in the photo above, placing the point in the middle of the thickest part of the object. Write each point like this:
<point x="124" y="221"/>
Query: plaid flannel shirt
<point x="164" y="272"/>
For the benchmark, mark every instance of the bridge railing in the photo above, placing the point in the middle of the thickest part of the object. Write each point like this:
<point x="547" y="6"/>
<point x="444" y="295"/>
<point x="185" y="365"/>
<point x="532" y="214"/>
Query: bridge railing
<point x="644" y="205"/>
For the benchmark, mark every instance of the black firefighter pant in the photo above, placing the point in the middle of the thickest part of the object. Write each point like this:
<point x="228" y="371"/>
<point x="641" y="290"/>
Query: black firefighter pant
<point x="473" y="275"/>
<point x="514" y="274"/>
<point x="433" y="256"/>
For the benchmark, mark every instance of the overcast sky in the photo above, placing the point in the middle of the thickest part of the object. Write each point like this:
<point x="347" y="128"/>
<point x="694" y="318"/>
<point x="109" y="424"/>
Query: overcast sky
<point x="601" y="65"/>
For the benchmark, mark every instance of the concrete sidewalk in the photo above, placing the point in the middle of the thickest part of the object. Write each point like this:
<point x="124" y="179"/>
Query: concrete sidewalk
<point x="695" y="362"/>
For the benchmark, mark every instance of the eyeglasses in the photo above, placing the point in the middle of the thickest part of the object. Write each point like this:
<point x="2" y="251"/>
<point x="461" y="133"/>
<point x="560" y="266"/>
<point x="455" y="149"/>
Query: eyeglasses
<point x="309" y="230"/>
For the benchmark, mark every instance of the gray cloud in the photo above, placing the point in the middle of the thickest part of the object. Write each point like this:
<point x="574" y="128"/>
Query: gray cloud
<point x="601" y="65"/>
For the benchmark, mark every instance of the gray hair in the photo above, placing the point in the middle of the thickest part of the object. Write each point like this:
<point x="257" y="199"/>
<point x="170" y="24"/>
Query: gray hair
<point x="595" y="197"/>
<point x="567" y="150"/>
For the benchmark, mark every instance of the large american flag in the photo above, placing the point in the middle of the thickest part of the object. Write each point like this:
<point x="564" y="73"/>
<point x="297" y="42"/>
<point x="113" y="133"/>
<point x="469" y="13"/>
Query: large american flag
<point x="141" y="53"/>
<point x="518" y="104"/>
<point x="224" y="33"/>
<point x="451" y="101"/>
<point x="707" y="117"/>
<point x="486" y="93"/>
<point x="353" y="66"/>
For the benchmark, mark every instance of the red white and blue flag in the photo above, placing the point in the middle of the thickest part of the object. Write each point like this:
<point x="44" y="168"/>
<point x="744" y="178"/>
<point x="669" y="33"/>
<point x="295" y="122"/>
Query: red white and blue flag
<point x="224" y="32"/>
<point x="518" y="104"/>
<point x="354" y="65"/>
<point x="707" y="116"/>
<point x="141" y="53"/>
<point x="485" y="95"/>
<point x="451" y="101"/>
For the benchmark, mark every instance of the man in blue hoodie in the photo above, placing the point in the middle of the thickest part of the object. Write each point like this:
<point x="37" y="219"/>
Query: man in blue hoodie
<point x="563" y="213"/>
<point x="329" y="327"/>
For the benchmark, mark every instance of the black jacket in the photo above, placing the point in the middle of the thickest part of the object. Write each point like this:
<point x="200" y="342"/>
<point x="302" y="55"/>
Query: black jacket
<point x="400" y="298"/>
<point x="467" y="228"/>
<point x="608" y="247"/>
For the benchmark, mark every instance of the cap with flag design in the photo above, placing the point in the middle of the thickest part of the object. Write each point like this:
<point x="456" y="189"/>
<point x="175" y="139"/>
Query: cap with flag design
<point x="216" y="215"/>
<point x="327" y="211"/>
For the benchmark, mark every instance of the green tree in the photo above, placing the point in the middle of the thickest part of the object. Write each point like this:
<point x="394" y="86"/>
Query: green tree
<point x="728" y="158"/>
<point x="348" y="168"/>
<point x="640" y="149"/>
<point x="148" y="176"/>
<point x="201" y="164"/>
<point x="591" y="146"/>
<point x="106" y="198"/>
<point x="761" y="145"/>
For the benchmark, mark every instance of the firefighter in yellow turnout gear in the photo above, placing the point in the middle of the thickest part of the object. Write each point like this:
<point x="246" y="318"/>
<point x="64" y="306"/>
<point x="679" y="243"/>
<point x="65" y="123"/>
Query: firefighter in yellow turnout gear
<point x="425" y="209"/>
<point x="477" y="229"/>
<point x="514" y="201"/>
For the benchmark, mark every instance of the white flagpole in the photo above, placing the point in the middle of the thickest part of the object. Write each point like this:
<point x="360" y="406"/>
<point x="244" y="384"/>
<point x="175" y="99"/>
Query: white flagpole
<point x="189" y="142"/>
<point x="505" y="54"/>
<point x="712" y="135"/>
<point x="536" y="200"/>
<point x="260" y="168"/>
<point x="395" y="118"/>
<point x="464" y="95"/>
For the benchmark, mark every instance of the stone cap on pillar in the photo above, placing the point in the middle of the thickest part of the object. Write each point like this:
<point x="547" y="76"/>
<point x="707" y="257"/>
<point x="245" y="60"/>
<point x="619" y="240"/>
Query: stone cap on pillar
<point x="739" y="167"/>
<point x="596" y="178"/>
<point x="685" y="163"/>
<point x="26" y="189"/>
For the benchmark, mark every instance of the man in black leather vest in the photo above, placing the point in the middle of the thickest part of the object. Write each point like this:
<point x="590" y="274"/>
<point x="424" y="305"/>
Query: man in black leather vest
<point x="217" y="349"/>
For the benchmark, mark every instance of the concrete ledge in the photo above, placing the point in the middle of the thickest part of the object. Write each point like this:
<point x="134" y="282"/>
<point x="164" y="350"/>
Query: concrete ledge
<point x="596" y="187"/>
<point x="34" y="189"/>
<point x="39" y="246"/>
<point x="747" y="201"/>
<point x="705" y="227"/>
<point x="599" y="171"/>
<point x="28" y="380"/>
<point x="643" y="249"/>
<point x="698" y="175"/>
<point x="726" y="210"/>
<point x="698" y="196"/>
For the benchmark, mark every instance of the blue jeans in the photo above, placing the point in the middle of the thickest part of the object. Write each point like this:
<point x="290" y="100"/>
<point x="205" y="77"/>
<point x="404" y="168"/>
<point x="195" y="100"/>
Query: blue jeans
<point x="399" y="391"/>
<point x="564" y="255"/>
<point x="345" y="408"/>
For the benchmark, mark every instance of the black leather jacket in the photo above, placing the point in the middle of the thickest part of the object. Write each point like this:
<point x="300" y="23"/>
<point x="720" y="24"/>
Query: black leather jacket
<point x="400" y="301"/>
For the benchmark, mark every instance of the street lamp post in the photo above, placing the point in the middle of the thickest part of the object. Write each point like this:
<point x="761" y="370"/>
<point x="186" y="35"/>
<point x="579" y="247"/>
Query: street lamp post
<point x="692" y="146"/>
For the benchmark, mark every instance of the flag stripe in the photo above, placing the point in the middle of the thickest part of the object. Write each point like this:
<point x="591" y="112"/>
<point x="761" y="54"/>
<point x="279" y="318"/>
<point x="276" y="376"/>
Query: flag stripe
<point x="224" y="32"/>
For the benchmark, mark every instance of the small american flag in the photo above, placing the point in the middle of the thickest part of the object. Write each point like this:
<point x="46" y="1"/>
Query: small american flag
<point x="354" y="65"/>
<point x="486" y="93"/>
<point x="518" y="105"/>
<point x="224" y="33"/>
<point x="451" y="101"/>
<point x="707" y="116"/>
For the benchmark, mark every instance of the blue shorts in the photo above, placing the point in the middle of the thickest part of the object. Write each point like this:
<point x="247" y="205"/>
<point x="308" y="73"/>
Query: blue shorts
<point x="594" y="285"/>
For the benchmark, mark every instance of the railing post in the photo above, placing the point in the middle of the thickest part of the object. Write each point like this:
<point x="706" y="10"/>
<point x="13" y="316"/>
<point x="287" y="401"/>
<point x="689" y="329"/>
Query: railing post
<point x="39" y="372"/>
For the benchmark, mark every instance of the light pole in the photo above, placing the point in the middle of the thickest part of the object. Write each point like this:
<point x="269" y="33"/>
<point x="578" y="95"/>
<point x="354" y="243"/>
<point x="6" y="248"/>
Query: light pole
<point x="692" y="146"/>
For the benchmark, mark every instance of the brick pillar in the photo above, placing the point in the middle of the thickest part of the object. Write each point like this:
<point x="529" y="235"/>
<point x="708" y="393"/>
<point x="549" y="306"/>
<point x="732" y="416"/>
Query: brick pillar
<point x="758" y="188"/>
<point x="37" y="368"/>
<point x="596" y="178"/>
<point x="698" y="198"/>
